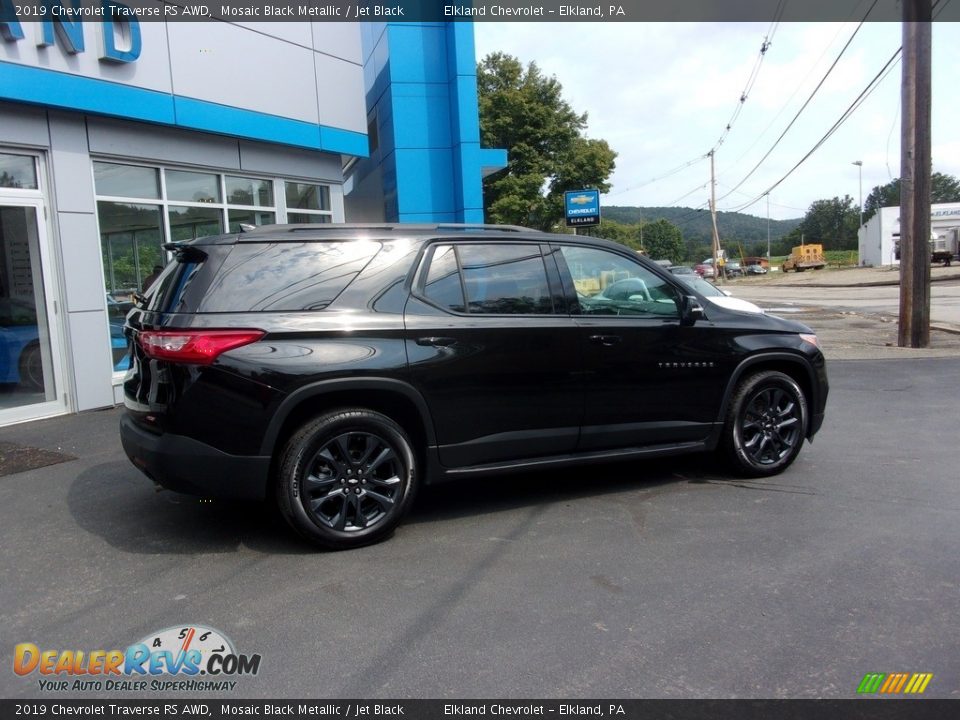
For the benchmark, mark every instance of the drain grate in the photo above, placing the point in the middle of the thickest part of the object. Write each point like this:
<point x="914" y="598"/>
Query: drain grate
<point x="16" y="458"/>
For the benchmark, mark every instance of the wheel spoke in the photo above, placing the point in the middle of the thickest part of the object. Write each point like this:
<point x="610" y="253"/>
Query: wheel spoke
<point x="314" y="483"/>
<point x="385" y="482"/>
<point x="385" y="454"/>
<point x="326" y="455"/>
<point x="788" y="422"/>
<point x="383" y="501"/>
<point x="343" y="445"/>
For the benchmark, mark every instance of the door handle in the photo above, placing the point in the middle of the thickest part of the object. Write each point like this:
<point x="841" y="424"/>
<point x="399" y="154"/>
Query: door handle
<point x="436" y="341"/>
<point x="605" y="340"/>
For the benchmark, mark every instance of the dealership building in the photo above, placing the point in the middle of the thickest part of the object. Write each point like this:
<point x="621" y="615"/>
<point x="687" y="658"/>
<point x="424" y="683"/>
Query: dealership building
<point x="879" y="237"/>
<point x="117" y="137"/>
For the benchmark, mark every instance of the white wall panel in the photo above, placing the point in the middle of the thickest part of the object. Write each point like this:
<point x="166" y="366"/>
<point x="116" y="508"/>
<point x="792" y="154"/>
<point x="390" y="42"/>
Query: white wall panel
<point x="80" y="258"/>
<point x="140" y="141"/>
<point x="72" y="179"/>
<point x="336" y="80"/>
<point x="241" y="68"/>
<point x="92" y="359"/>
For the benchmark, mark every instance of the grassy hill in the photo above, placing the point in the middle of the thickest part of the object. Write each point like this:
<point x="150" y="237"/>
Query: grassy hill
<point x="748" y="230"/>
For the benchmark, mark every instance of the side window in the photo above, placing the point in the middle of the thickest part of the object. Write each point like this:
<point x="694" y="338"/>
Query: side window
<point x="505" y="279"/>
<point x="610" y="284"/>
<point x="442" y="285"/>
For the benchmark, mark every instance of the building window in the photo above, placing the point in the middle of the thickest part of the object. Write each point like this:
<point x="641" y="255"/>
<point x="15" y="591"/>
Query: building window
<point x="139" y="208"/>
<point x="308" y="203"/>
<point x="18" y="172"/>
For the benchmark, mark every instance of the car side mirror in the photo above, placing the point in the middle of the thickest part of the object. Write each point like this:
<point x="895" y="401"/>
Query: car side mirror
<point x="690" y="310"/>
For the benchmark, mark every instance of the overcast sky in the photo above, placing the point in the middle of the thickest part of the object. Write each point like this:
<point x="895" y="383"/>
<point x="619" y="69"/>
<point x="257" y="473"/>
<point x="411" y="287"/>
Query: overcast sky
<point x="662" y="94"/>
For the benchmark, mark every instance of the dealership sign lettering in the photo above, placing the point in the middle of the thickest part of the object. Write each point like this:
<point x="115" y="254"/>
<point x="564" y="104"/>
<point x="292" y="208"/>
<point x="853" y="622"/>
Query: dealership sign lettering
<point x="62" y="24"/>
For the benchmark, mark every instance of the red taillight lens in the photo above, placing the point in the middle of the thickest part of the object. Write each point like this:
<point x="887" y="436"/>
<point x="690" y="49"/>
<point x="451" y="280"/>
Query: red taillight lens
<point x="200" y="347"/>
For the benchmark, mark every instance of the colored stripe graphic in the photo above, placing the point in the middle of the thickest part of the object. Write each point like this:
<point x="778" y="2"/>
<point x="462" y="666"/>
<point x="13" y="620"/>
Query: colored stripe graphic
<point x="894" y="683"/>
<point x="871" y="683"/>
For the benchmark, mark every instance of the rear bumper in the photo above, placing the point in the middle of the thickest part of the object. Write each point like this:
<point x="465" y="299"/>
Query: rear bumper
<point x="184" y="465"/>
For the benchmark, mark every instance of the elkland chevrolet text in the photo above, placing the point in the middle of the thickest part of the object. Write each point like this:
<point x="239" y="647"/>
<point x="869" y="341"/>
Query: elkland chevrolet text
<point x="339" y="367"/>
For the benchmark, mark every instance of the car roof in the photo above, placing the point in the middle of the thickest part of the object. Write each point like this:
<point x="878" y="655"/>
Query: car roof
<point x="333" y="232"/>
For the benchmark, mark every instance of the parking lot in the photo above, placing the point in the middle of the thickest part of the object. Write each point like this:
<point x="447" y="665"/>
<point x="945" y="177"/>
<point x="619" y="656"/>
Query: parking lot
<point x="655" y="579"/>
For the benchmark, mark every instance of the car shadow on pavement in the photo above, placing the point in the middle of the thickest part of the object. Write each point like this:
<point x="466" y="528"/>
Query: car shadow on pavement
<point x="115" y="502"/>
<point x="478" y="496"/>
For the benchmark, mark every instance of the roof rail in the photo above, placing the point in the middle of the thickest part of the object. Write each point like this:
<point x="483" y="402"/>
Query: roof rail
<point x="340" y="227"/>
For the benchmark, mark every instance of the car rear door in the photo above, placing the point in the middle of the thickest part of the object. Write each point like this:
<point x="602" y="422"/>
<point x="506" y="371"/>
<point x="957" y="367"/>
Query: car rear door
<point x="494" y="352"/>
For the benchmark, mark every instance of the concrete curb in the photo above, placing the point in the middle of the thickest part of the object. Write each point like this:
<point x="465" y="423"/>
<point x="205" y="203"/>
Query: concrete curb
<point x="876" y="283"/>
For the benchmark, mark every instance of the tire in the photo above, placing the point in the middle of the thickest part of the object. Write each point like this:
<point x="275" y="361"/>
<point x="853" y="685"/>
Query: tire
<point x="346" y="479"/>
<point x="31" y="367"/>
<point x="766" y="424"/>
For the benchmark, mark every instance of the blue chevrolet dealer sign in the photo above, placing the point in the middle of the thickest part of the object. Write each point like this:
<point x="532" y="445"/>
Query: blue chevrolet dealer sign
<point x="582" y="207"/>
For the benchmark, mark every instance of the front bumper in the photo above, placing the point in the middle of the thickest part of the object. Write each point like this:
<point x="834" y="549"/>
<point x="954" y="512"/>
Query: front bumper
<point x="187" y="466"/>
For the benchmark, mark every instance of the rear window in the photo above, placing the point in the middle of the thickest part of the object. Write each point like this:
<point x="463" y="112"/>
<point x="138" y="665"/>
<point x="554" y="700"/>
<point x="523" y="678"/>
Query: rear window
<point x="263" y="277"/>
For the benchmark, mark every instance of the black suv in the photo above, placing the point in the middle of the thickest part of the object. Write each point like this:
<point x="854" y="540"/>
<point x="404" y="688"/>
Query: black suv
<point x="338" y="367"/>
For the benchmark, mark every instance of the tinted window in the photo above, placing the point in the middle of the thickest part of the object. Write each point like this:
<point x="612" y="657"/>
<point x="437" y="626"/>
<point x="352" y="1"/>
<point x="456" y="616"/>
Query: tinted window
<point x="442" y="285"/>
<point x="286" y="276"/>
<point x="611" y="284"/>
<point x="505" y="279"/>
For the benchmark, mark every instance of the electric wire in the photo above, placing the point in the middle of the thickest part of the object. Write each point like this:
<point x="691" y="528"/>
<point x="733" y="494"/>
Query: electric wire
<point x="786" y="104"/>
<point x="871" y="86"/>
<point x="754" y="73"/>
<point x="805" y="104"/>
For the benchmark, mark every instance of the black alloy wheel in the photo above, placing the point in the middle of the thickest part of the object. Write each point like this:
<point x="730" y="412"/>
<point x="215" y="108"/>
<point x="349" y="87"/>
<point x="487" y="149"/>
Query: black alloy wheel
<point x="346" y="478"/>
<point x="766" y="424"/>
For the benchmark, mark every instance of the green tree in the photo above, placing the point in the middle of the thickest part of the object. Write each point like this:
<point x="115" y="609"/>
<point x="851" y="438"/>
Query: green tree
<point x="524" y="111"/>
<point x="832" y="223"/>
<point x="663" y="240"/>
<point x="943" y="189"/>
<point x="623" y="233"/>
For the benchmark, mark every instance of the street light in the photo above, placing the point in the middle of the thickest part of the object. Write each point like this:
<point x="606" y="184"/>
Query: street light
<point x="859" y="164"/>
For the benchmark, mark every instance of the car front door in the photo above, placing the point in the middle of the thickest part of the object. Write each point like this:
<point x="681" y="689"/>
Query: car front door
<point x="494" y="352"/>
<point x="649" y="379"/>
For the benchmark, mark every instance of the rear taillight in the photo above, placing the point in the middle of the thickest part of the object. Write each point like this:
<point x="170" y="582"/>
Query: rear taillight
<point x="200" y="347"/>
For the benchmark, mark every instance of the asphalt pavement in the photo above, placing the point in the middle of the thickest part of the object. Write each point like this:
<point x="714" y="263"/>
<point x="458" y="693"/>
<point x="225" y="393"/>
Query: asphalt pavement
<point x="657" y="579"/>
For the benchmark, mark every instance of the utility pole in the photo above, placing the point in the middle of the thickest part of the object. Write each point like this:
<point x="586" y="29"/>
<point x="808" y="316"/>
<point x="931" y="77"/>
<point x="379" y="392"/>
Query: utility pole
<point x="713" y="214"/>
<point x="914" y="329"/>
<point x="768" y="228"/>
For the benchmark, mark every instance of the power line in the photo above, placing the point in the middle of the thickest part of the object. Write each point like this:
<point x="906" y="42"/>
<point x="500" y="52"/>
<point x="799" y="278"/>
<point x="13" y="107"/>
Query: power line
<point x="667" y="174"/>
<point x="754" y="73"/>
<point x="805" y="104"/>
<point x="871" y="86"/>
<point x="796" y="90"/>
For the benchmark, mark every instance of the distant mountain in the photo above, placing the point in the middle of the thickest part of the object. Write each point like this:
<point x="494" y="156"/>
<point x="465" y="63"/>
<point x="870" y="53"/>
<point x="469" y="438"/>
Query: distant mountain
<point x="697" y="228"/>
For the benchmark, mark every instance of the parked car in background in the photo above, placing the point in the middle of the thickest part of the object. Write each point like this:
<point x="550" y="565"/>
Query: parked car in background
<point x="705" y="268"/>
<point x="755" y="270"/>
<point x="732" y="269"/>
<point x="337" y="368"/>
<point x="20" y="360"/>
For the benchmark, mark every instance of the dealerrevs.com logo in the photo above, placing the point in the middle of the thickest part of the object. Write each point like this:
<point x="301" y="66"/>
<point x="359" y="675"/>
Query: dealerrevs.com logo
<point x="187" y="658"/>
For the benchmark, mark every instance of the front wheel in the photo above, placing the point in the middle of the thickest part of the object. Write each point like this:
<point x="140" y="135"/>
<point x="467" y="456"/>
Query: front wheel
<point x="346" y="478"/>
<point x="766" y="424"/>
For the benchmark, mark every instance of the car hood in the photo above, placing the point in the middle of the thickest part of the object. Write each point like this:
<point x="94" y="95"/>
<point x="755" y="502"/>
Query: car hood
<point x="731" y="303"/>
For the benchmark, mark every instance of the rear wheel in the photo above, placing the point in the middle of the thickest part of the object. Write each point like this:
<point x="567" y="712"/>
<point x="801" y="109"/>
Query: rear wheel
<point x="766" y="424"/>
<point x="346" y="478"/>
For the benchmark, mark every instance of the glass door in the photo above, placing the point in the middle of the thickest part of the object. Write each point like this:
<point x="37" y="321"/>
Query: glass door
<point x="30" y="361"/>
